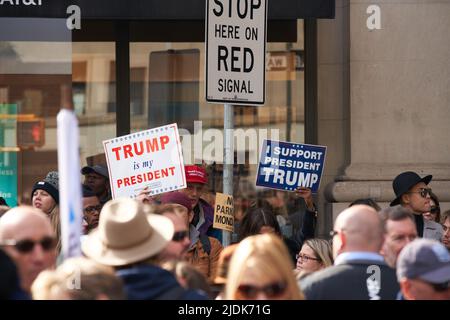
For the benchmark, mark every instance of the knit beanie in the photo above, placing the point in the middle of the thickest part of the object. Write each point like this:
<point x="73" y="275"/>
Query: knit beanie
<point x="53" y="178"/>
<point x="50" y="185"/>
<point x="177" y="198"/>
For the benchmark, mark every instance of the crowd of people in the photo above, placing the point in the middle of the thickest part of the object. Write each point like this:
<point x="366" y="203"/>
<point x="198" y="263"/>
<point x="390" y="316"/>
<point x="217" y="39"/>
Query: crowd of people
<point x="164" y="247"/>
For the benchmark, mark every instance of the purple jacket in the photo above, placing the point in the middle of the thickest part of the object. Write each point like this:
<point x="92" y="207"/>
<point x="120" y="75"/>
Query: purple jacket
<point x="206" y="227"/>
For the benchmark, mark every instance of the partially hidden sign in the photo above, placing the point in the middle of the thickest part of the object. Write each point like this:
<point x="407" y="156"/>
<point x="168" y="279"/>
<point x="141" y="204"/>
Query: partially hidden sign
<point x="288" y="165"/>
<point x="236" y="51"/>
<point x="150" y="158"/>
<point x="224" y="212"/>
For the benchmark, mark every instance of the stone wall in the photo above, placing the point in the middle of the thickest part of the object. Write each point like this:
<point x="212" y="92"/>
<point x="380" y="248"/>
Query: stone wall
<point x="384" y="100"/>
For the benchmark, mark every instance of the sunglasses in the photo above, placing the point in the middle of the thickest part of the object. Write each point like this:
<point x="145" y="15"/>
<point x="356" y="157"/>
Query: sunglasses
<point x="434" y="210"/>
<point x="27" y="245"/>
<point x="180" y="235"/>
<point x="271" y="290"/>
<point x="424" y="192"/>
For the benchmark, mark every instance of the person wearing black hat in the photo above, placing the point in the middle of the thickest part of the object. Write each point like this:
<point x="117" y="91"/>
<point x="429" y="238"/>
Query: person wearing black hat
<point x="97" y="178"/>
<point x="412" y="193"/>
<point x="45" y="196"/>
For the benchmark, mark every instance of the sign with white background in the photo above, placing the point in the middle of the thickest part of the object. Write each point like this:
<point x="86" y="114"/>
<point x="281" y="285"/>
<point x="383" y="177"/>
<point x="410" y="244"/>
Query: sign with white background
<point x="236" y="51"/>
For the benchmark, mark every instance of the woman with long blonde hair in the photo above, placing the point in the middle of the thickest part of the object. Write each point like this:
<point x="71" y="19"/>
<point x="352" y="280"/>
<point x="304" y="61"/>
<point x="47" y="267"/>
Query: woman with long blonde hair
<point x="261" y="269"/>
<point x="45" y="196"/>
<point x="315" y="254"/>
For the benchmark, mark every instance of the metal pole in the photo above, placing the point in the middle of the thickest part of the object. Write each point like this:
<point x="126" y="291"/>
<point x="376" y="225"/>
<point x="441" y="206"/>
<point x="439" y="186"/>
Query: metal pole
<point x="289" y="94"/>
<point x="228" y="157"/>
<point x="123" y="78"/>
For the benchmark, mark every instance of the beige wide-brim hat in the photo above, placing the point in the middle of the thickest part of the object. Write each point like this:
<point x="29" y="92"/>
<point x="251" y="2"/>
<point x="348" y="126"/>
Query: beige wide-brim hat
<point x="126" y="234"/>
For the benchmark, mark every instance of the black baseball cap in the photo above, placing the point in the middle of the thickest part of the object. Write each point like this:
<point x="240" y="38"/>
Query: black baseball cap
<point x="100" y="169"/>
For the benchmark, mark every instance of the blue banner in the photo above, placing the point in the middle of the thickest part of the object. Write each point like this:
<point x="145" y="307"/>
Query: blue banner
<point x="287" y="165"/>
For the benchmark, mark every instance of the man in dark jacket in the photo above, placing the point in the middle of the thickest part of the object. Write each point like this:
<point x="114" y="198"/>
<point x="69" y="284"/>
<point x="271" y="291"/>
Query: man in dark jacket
<point x="130" y="239"/>
<point x="359" y="271"/>
<point x="412" y="192"/>
<point x="97" y="178"/>
<point x="197" y="179"/>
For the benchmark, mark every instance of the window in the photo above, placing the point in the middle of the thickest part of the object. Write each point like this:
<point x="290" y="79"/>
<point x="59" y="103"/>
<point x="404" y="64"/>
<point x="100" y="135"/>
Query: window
<point x="93" y="94"/>
<point x="35" y="81"/>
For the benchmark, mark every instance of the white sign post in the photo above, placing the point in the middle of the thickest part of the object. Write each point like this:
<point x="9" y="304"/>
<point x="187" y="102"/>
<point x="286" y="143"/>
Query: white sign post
<point x="235" y="66"/>
<point x="69" y="188"/>
<point x="150" y="158"/>
<point x="236" y="51"/>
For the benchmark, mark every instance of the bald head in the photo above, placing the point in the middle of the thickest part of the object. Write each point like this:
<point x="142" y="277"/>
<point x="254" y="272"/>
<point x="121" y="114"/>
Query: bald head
<point x="24" y="217"/>
<point x="27" y="236"/>
<point x="361" y="229"/>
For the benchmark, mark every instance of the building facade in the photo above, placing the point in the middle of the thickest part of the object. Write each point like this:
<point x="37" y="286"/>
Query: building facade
<point x="384" y="98"/>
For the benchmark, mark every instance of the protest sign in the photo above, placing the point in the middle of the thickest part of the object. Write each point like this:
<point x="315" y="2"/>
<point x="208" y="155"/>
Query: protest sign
<point x="224" y="212"/>
<point x="288" y="165"/>
<point x="150" y="158"/>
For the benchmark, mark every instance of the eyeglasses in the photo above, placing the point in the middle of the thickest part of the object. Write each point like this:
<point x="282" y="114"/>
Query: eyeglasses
<point x="92" y="209"/>
<point x="423" y="192"/>
<point x="27" y="245"/>
<point x="305" y="258"/>
<point x="271" y="290"/>
<point x="180" y="235"/>
<point x="434" y="210"/>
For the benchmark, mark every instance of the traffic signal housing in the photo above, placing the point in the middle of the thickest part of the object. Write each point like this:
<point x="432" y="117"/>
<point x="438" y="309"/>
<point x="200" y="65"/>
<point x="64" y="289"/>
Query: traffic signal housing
<point x="30" y="133"/>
